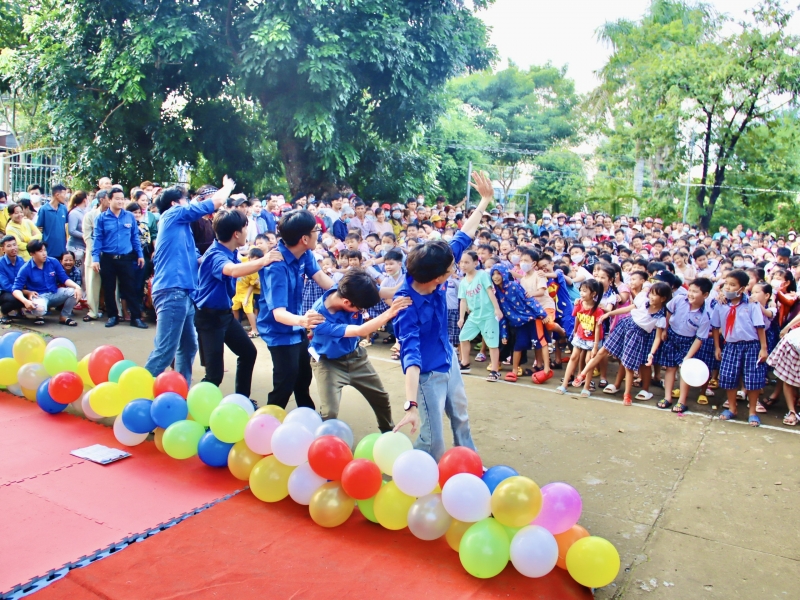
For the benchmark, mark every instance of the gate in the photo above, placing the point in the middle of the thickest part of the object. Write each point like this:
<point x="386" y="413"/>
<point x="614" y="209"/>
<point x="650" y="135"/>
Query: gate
<point x="18" y="170"/>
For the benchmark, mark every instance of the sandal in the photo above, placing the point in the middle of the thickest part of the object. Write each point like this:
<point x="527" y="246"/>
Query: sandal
<point x="659" y="383"/>
<point x="713" y="384"/>
<point x="87" y="318"/>
<point x="637" y="382"/>
<point x="586" y="394"/>
<point x="610" y="389"/>
<point x="252" y="334"/>
<point x="464" y="368"/>
<point x="481" y="357"/>
<point x="727" y="416"/>
<point x="493" y="376"/>
<point x="710" y="392"/>
<point x="395" y="354"/>
<point x="664" y="403"/>
<point x="511" y="376"/>
<point x="768" y="402"/>
<point x="39" y="321"/>
<point x="5" y="321"/>
<point x="676" y="393"/>
<point x="680" y="408"/>
<point x="760" y="408"/>
<point x="525" y="372"/>
<point x="578" y="381"/>
<point x="603" y="383"/>
<point x="69" y="322"/>
<point x="390" y="340"/>
<point x="643" y="395"/>
<point x="626" y="400"/>
<point x="562" y="390"/>
<point x="754" y="421"/>
<point x="790" y="418"/>
<point x="702" y="400"/>
<point x="541" y="377"/>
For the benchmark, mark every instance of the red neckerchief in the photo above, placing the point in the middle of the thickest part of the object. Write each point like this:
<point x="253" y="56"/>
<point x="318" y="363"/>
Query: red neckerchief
<point x="729" y="322"/>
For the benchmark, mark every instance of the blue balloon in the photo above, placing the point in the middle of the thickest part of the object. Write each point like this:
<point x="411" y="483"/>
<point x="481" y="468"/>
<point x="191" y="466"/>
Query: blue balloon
<point x="168" y="408"/>
<point x="7" y="344"/>
<point x="136" y="416"/>
<point x="212" y="451"/>
<point x="45" y="401"/>
<point x="496" y="474"/>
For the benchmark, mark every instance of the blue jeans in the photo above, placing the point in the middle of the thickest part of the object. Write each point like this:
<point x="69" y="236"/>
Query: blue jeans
<point x="176" y="338"/>
<point x="442" y="393"/>
<point x="62" y="297"/>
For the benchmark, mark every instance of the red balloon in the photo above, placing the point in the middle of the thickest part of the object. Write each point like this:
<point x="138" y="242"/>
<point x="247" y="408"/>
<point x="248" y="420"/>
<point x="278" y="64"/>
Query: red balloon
<point x="361" y="479"/>
<point x="65" y="387"/>
<point x="101" y="361"/>
<point x="328" y="456"/>
<point x="459" y="460"/>
<point x="171" y="381"/>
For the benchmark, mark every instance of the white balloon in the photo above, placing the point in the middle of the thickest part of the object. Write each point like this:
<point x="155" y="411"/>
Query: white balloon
<point x="88" y="412"/>
<point x="239" y="400"/>
<point x="125" y="436"/>
<point x="416" y="473"/>
<point x="303" y="482"/>
<point x="694" y="372"/>
<point x="32" y="375"/>
<point x="336" y="428"/>
<point x="62" y="342"/>
<point x="304" y="416"/>
<point x="534" y="551"/>
<point x="290" y="443"/>
<point x="467" y="498"/>
<point x="15" y="389"/>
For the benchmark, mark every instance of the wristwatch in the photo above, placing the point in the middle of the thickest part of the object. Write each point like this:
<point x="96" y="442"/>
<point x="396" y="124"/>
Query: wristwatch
<point x="409" y="403"/>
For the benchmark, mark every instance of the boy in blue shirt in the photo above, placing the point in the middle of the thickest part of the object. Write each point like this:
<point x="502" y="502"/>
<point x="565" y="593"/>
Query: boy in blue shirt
<point x="432" y="377"/>
<point x="52" y="220"/>
<point x="10" y="265"/>
<point x="337" y="357"/>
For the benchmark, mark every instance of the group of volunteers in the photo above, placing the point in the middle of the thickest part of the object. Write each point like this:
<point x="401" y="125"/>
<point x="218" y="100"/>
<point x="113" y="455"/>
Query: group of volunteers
<point x="318" y="280"/>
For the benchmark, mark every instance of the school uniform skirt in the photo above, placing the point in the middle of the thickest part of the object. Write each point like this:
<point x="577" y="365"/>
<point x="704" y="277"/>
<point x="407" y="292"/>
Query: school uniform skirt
<point x="453" y="330"/>
<point x="706" y="354"/>
<point x="672" y="352"/>
<point x="785" y="361"/>
<point x="630" y="344"/>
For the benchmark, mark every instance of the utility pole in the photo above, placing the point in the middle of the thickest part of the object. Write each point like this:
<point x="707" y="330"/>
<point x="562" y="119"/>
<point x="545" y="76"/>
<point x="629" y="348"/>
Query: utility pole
<point x="688" y="178"/>
<point x="469" y="187"/>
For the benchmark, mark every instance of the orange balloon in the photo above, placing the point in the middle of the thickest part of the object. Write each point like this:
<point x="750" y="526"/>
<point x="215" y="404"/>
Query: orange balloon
<point x="565" y="541"/>
<point x="157" y="435"/>
<point x="455" y="532"/>
<point x="241" y="461"/>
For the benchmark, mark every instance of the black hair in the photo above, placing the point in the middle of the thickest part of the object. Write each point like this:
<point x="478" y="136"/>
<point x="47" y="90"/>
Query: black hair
<point x="611" y="273"/>
<point x="296" y="224"/>
<point x="227" y="223"/>
<point x="655" y="266"/>
<point x="767" y="288"/>
<point x="532" y="254"/>
<point x="787" y="276"/>
<point x="698" y="253"/>
<point x="59" y="187"/>
<point x="577" y="246"/>
<point x="393" y="254"/>
<point x="429" y="261"/>
<point x="640" y="273"/>
<point x="704" y="284"/>
<point x="625" y="249"/>
<point x="389" y="235"/>
<point x="70" y="252"/>
<point x="375" y="235"/>
<point x="116" y="189"/>
<point x="741" y="277"/>
<point x="662" y="289"/>
<point x="759" y="273"/>
<point x="132" y="206"/>
<point x="354" y="254"/>
<point x="597" y="291"/>
<point x="472" y="254"/>
<point x="34" y="246"/>
<point x="167" y="198"/>
<point x="255" y="253"/>
<point x="359" y="289"/>
<point x="261" y="236"/>
<point x="784" y="252"/>
<point x="353" y="236"/>
<point x="6" y="239"/>
<point x="488" y="247"/>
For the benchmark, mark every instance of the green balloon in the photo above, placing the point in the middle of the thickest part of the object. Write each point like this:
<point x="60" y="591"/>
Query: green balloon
<point x="119" y="368"/>
<point x="511" y="531"/>
<point x="227" y="423"/>
<point x="59" y="360"/>
<point x="180" y="439"/>
<point x="364" y="448"/>
<point x="202" y="399"/>
<point x="367" y="507"/>
<point x="485" y="549"/>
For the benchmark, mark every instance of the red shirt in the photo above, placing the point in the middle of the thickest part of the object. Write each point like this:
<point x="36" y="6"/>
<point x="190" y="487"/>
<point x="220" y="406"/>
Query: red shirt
<point x="586" y="321"/>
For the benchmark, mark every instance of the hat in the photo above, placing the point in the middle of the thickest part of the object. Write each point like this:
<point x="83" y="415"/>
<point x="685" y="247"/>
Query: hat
<point x="24" y="196"/>
<point x="386" y="207"/>
<point x="435" y="219"/>
<point x="792" y="232"/>
<point x="239" y="202"/>
<point x="494" y="211"/>
<point x="286" y="206"/>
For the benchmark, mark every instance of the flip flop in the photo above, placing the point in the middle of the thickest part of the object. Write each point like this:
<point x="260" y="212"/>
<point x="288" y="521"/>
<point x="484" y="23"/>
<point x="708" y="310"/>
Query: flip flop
<point x="586" y="394"/>
<point x="680" y="408"/>
<point x="727" y="416"/>
<point x="541" y="376"/>
<point x="702" y="400"/>
<point x="664" y="404"/>
<point x="643" y="395"/>
<point x="754" y="421"/>
<point x="676" y="393"/>
<point x="610" y="389"/>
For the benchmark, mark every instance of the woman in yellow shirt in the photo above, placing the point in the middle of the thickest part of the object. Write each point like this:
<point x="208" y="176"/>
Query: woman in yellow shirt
<point x="22" y="229"/>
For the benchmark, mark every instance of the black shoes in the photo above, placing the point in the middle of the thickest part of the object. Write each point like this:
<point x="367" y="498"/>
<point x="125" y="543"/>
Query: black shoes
<point x="112" y="322"/>
<point x="138" y="323"/>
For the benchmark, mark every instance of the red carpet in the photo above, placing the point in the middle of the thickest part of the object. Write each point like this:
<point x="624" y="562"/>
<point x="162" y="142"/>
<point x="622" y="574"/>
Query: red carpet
<point x="243" y="548"/>
<point x="57" y="508"/>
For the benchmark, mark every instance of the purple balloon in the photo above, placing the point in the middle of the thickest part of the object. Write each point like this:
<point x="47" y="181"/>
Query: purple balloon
<point x="561" y="508"/>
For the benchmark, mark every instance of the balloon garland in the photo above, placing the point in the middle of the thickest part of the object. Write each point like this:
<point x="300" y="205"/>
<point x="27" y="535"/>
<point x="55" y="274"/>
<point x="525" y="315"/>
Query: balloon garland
<point x="489" y="517"/>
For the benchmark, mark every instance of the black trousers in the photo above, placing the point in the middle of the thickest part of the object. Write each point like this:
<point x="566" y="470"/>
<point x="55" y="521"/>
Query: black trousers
<point x="9" y="303"/>
<point x="291" y="374"/>
<point x="215" y="330"/>
<point x="126" y="271"/>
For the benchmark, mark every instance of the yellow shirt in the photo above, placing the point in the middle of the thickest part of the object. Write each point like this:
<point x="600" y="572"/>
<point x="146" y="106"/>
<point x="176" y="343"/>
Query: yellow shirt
<point x="24" y="232"/>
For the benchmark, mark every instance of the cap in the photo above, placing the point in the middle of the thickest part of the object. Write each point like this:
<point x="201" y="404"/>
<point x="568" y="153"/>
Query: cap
<point x="435" y="219"/>
<point x="286" y="206"/>
<point x="386" y="207"/>
<point x="24" y="196"/>
<point x="240" y="202"/>
<point x="494" y="211"/>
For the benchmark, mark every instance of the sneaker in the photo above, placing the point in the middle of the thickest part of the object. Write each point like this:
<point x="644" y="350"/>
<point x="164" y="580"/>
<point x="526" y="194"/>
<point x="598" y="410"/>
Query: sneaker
<point x="493" y="376"/>
<point x="464" y="369"/>
<point x="481" y="357"/>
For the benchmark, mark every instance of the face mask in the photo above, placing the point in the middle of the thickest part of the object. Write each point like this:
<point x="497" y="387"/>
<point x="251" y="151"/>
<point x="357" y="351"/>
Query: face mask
<point x="685" y="230"/>
<point x="347" y="220"/>
<point x="546" y="221"/>
<point x="738" y="263"/>
<point x="733" y="295"/>
<point x="387" y="247"/>
<point x="526" y="267"/>
<point x="693" y="242"/>
<point x="577" y="258"/>
<point x="396" y="215"/>
<point x="370" y="217"/>
<point x="327" y="242"/>
<point x="514" y="259"/>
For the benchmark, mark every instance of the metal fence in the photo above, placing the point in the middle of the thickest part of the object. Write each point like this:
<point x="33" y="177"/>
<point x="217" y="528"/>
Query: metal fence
<point x="19" y="170"/>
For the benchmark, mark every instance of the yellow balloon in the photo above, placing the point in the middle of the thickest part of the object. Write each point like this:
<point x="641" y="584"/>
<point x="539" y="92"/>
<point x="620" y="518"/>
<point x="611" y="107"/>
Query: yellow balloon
<point x="241" y="460"/>
<point x="269" y="479"/>
<point x="270" y="409"/>
<point x="455" y="533"/>
<point x="28" y="348"/>
<point x="29" y="394"/>
<point x="330" y="506"/>
<point x="593" y="561"/>
<point x="8" y="371"/>
<point x="391" y="507"/>
<point x="135" y="383"/>
<point x="158" y="435"/>
<point x="83" y="373"/>
<point x="107" y="399"/>
<point x="516" y="501"/>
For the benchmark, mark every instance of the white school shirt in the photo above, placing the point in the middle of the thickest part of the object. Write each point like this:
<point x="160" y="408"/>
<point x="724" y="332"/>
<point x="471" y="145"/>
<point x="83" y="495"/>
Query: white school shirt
<point x="642" y="316"/>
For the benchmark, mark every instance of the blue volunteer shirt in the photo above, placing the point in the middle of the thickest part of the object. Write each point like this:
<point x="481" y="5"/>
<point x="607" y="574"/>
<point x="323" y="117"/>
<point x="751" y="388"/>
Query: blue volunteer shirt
<point x="175" y="259"/>
<point x="282" y="287"/>
<point x="41" y="281"/>
<point x="53" y="223"/>
<point x="214" y="288"/>
<point x="272" y="224"/>
<point x="9" y="272"/>
<point x="329" y="340"/>
<point x="422" y="327"/>
<point x="116" y="234"/>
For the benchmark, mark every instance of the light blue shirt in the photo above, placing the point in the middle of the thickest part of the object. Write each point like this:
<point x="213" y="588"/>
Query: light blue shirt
<point x="53" y="223"/>
<point x="687" y="322"/>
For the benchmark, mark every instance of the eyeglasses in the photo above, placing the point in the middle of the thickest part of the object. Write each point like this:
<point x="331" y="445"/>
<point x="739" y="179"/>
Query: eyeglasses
<point x="316" y="229"/>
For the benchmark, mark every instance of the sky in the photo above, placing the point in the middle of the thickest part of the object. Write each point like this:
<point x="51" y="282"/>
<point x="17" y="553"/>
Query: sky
<point x="563" y="31"/>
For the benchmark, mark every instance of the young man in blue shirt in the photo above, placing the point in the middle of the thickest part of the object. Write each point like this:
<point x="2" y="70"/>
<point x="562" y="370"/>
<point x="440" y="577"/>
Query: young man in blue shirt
<point x="115" y="250"/>
<point x="213" y="319"/>
<point x="10" y="265"/>
<point x="337" y="358"/>
<point x="39" y="277"/>
<point x="175" y="276"/>
<point x="52" y="221"/>
<point x="433" y="380"/>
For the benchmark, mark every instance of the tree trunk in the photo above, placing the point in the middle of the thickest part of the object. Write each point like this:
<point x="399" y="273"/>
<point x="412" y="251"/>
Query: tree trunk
<point x="719" y="178"/>
<point x="301" y="175"/>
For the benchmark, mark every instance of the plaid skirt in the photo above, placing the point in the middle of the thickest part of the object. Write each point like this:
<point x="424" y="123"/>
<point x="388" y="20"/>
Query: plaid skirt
<point x="785" y="361"/>
<point x="740" y="362"/>
<point x="672" y="352"/>
<point x="378" y="309"/>
<point x="630" y="344"/>
<point x="311" y="293"/>
<point x="706" y="354"/>
<point x="453" y="330"/>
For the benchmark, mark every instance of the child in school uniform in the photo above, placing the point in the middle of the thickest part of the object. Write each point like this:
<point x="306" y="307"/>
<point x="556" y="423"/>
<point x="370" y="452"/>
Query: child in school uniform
<point x="247" y="288"/>
<point x="741" y="324"/>
<point x="688" y="325"/>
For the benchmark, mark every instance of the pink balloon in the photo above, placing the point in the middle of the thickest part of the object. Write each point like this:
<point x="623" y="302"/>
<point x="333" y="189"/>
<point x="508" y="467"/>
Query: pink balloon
<point x="258" y="433"/>
<point x="561" y="508"/>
